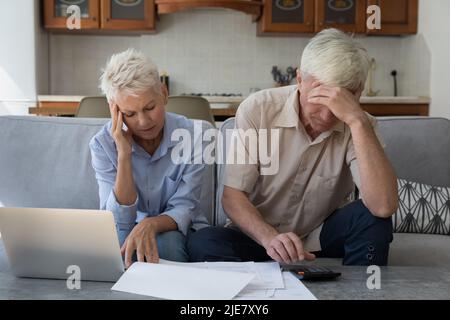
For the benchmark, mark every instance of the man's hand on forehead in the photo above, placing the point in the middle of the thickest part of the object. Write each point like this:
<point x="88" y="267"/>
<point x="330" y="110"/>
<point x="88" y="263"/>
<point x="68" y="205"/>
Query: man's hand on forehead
<point x="341" y="102"/>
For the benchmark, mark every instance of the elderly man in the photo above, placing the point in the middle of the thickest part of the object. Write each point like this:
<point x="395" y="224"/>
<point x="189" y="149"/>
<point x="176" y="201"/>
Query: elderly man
<point x="155" y="202"/>
<point x="327" y="143"/>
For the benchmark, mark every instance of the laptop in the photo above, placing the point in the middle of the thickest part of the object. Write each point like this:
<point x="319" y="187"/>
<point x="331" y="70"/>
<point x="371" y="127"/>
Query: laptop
<point x="52" y="243"/>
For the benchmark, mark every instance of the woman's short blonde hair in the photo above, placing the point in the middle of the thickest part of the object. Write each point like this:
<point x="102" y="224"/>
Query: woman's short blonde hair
<point x="335" y="59"/>
<point x="129" y="72"/>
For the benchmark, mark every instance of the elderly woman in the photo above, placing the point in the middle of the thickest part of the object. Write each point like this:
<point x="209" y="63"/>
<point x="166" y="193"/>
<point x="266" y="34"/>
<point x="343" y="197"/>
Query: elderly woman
<point x="154" y="200"/>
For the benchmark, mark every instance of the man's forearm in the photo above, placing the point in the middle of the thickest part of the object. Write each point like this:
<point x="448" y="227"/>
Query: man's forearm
<point x="124" y="188"/>
<point x="378" y="179"/>
<point x="244" y="214"/>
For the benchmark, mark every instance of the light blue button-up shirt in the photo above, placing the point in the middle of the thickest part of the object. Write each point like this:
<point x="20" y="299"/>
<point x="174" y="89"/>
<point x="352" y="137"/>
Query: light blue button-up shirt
<point x="163" y="187"/>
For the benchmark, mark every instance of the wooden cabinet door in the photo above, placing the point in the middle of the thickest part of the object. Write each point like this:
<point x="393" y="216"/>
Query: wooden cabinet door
<point x="346" y="15"/>
<point x="128" y="14"/>
<point x="397" y="17"/>
<point x="55" y="13"/>
<point x="287" y="16"/>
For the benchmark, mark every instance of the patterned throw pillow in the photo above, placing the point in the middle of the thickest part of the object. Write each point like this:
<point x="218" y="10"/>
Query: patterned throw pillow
<point x="422" y="209"/>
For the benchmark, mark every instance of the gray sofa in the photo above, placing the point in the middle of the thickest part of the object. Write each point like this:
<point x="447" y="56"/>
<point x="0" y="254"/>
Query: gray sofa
<point x="45" y="162"/>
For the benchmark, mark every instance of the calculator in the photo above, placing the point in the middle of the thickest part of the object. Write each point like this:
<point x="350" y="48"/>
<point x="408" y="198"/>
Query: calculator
<point x="312" y="272"/>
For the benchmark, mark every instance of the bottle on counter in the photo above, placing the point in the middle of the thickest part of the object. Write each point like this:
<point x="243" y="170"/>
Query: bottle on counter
<point x="165" y="80"/>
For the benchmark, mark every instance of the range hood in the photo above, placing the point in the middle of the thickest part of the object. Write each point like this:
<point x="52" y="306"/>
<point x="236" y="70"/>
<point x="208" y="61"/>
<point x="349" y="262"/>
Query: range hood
<point x="252" y="7"/>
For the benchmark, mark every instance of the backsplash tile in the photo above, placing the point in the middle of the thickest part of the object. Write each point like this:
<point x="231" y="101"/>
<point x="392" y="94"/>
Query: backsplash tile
<point x="217" y="51"/>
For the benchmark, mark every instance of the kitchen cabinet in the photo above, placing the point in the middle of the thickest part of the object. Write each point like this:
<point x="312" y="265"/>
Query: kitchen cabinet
<point x="346" y="15"/>
<point x="309" y="16"/>
<point x="396" y="110"/>
<point x="287" y="16"/>
<point x="102" y="15"/>
<point x="252" y="7"/>
<point x="397" y="17"/>
<point x="128" y="15"/>
<point x="55" y="13"/>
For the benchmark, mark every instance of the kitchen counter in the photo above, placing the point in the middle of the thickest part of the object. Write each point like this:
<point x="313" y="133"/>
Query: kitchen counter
<point x="225" y="107"/>
<point x="58" y="98"/>
<point x="363" y="100"/>
<point x="233" y="100"/>
<point x="395" y="100"/>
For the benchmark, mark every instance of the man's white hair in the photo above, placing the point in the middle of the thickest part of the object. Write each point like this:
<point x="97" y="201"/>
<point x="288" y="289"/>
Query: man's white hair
<point x="129" y="72"/>
<point x="335" y="59"/>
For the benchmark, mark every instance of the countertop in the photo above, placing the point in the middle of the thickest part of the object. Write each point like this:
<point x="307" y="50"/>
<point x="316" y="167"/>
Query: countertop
<point x="395" y="100"/>
<point x="237" y="100"/>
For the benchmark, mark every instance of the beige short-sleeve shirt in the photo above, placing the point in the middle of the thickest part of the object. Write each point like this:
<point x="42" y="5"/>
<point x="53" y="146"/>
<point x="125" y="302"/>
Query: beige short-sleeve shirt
<point x="313" y="179"/>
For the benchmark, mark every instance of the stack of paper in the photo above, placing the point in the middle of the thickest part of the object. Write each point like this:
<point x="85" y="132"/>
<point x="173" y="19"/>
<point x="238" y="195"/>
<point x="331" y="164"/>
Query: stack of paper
<point x="294" y="290"/>
<point x="240" y="280"/>
<point x="180" y="283"/>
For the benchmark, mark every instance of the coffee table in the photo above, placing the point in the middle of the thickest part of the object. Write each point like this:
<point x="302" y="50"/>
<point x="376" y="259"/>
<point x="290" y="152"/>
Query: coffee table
<point x="406" y="283"/>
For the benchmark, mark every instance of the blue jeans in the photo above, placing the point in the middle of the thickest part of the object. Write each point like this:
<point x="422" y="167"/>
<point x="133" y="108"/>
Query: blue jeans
<point x="352" y="233"/>
<point x="171" y="245"/>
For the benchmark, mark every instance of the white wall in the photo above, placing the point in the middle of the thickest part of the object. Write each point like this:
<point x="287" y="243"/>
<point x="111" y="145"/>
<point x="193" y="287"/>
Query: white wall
<point x="17" y="56"/>
<point x="216" y="51"/>
<point x="42" y="54"/>
<point x="434" y="26"/>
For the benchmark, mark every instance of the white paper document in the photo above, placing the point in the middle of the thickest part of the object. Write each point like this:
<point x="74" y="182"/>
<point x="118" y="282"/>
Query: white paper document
<point x="213" y="281"/>
<point x="294" y="290"/>
<point x="267" y="274"/>
<point x="255" y="294"/>
<point x="181" y="283"/>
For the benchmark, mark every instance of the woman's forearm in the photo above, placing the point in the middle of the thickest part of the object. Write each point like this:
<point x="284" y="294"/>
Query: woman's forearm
<point x="124" y="188"/>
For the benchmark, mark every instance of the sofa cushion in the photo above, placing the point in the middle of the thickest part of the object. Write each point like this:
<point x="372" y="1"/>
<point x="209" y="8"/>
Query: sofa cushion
<point x="45" y="162"/>
<point x="422" y="209"/>
<point x="418" y="147"/>
<point x="409" y="250"/>
<point x="412" y="249"/>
